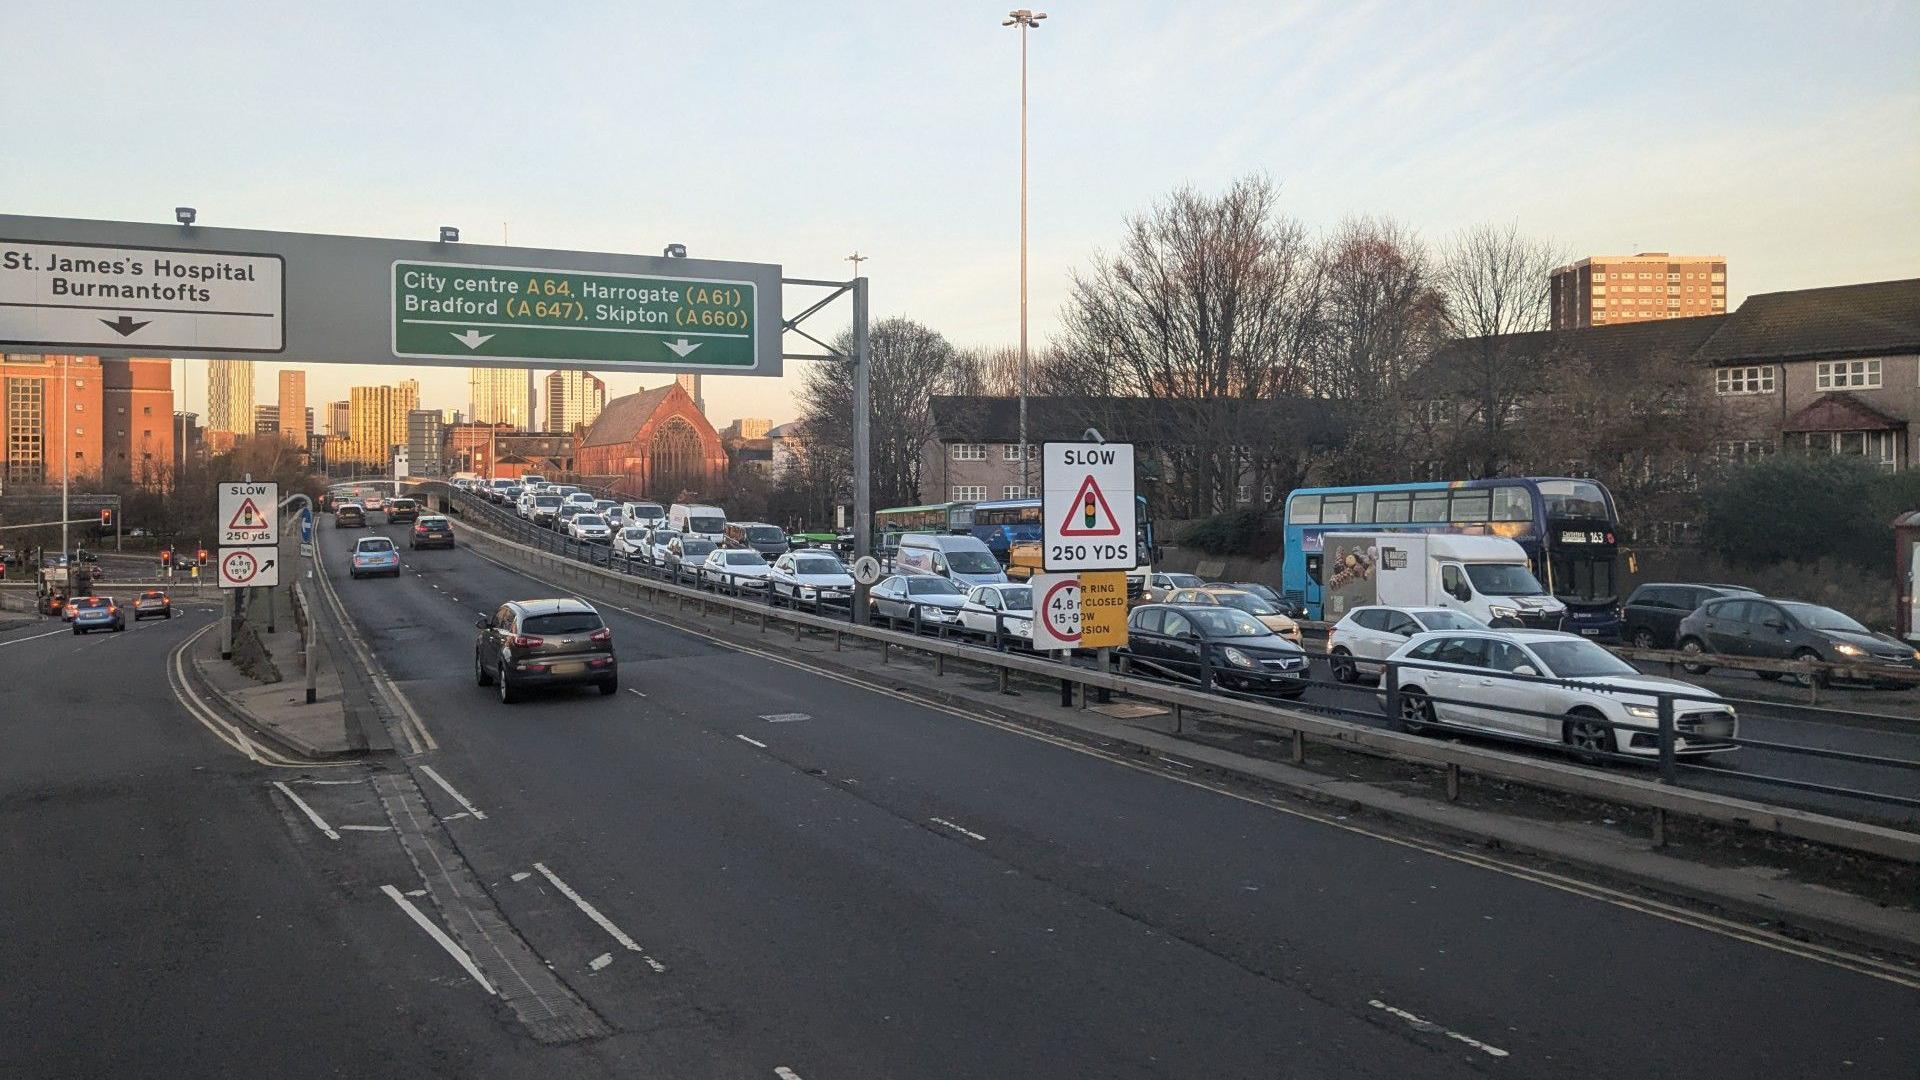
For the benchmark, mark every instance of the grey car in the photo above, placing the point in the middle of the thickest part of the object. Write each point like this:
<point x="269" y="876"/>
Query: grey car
<point x="539" y="643"/>
<point x="1763" y="628"/>
<point x="936" y="599"/>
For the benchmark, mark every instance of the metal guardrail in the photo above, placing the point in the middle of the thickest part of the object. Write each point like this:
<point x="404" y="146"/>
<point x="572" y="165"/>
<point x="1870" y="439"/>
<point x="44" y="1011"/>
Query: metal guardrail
<point x="1660" y="796"/>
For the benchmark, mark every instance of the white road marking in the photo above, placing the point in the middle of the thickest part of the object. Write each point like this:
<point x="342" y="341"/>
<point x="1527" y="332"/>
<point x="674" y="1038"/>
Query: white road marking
<point x="785" y="1073"/>
<point x="786" y="717"/>
<point x="631" y="690"/>
<point x="416" y="892"/>
<point x="366" y="828"/>
<point x="593" y="913"/>
<point x="456" y="817"/>
<point x="306" y="781"/>
<point x="523" y="875"/>
<point x="600" y="961"/>
<point x="36" y="637"/>
<point x="440" y="936"/>
<point x="457" y="797"/>
<point x="755" y="742"/>
<point x="1428" y="1025"/>
<point x="956" y="828"/>
<point x="1170" y="761"/>
<point x="318" y="822"/>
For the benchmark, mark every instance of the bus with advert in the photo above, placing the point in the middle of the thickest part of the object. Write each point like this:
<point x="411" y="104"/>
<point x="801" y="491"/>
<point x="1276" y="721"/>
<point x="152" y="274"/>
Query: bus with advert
<point x="1568" y="527"/>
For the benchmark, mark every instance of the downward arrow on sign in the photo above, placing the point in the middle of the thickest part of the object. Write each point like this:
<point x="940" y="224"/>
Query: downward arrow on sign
<point x="681" y="348"/>
<point x="473" y="339"/>
<point x="124" y="325"/>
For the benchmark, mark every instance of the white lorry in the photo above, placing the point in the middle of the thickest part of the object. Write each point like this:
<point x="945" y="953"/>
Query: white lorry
<point x="1486" y="577"/>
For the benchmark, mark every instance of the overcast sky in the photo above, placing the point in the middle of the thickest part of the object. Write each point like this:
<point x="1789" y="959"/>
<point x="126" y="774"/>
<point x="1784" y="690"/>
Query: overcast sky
<point x="1785" y="137"/>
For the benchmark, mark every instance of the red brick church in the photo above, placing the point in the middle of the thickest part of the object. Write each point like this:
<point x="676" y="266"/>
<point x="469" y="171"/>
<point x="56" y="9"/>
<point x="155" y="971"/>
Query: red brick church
<point x="654" y="445"/>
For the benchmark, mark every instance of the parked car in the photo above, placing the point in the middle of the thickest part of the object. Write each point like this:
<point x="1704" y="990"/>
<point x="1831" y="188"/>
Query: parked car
<point x="1269" y="615"/>
<point x="401" y="511"/>
<point x="349" y="515"/>
<point x="1651" y="616"/>
<point x="810" y="576"/>
<point x="631" y="541"/>
<point x="1159" y="586"/>
<point x="588" y="527"/>
<point x="153" y="603"/>
<point x="373" y="556"/>
<point x="741" y="569"/>
<point x="434" y="530"/>
<point x="1768" y="629"/>
<point x="540" y="643"/>
<point x="686" y="552"/>
<point x="1489" y="681"/>
<point x="769" y="540"/>
<point x="1000" y="610"/>
<point x="1240" y="652"/>
<point x="97" y="613"/>
<point x="1367" y="635"/>
<point x="937" y="599"/>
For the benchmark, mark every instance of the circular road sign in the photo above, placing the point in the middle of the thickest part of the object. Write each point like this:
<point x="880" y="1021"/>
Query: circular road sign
<point x="240" y="567"/>
<point x="1060" y="607"/>
<point x="866" y="570"/>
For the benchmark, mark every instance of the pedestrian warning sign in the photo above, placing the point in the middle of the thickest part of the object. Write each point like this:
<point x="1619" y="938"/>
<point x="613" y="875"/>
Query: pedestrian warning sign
<point x="1090" y="515"/>
<point x="249" y="514"/>
<point x="1088" y="506"/>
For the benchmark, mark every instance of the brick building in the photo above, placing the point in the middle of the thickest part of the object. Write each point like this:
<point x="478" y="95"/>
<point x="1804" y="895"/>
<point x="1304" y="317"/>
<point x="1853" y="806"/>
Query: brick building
<point x="1608" y="290"/>
<point x="120" y="413"/>
<point x="654" y="444"/>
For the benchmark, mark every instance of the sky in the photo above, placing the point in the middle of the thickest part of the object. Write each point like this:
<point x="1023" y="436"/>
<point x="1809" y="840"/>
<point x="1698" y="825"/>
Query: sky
<point x="1784" y="137"/>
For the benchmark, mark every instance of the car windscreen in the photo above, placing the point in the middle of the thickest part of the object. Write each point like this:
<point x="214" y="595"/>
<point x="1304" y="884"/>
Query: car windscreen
<point x="564" y="622"/>
<point x="818" y="566"/>
<point x="589" y="519"/>
<point x="706" y="524"/>
<point x="400" y="504"/>
<point x="745" y="558"/>
<point x="646" y="510"/>
<point x="766" y="534"/>
<point x="695" y="548"/>
<point x="1503" y="579"/>
<point x="1020" y="599"/>
<point x="634" y="535"/>
<point x="546" y="502"/>
<point x="1184" y="581"/>
<point x="433" y="522"/>
<point x="1815" y="617"/>
<point x="1576" y="659"/>
<point x="664" y="536"/>
<point x="1246" y="602"/>
<point x="972" y="562"/>
<point x="91" y="602"/>
<point x="1226" y="622"/>
<point x="932" y="586"/>
<point x="1448" y="620"/>
<point x="379" y="544"/>
<point x="153" y="594"/>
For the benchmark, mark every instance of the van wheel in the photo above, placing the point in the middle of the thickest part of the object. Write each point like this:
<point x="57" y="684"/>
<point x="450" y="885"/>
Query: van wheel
<point x="1587" y="732"/>
<point x="1342" y="664"/>
<point x="1643" y="638"/>
<point x="1416" y="711"/>
<point x="1693" y="648"/>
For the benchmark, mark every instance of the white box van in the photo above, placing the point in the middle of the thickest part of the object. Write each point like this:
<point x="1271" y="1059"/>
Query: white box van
<point x="1486" y="577"/>
<point x="964" y="560"/>
<point x="698" y="521"/>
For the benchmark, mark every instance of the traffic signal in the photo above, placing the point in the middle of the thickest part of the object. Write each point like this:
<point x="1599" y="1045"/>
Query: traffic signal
<point x="203" y="556"/>
<point x="106" y="517"/>
<point x="166" y="557"/>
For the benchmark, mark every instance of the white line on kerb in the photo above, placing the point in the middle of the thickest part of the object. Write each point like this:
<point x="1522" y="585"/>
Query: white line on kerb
<point x="755" y="742"/>
<point x="593" y="913"/>
<point x="440" y="936"/>
<point x="457" y="797"/>
<point x="1428" y="1025"/>
<point x="318" y="822"/>
<point x="963" y="832"/>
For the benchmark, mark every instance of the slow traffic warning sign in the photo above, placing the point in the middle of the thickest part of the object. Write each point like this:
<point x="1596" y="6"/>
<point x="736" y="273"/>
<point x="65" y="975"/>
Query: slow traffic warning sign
<point x="1088" y="506"/>
<point x="247" y="568"/>
<point x="249" y="514"/>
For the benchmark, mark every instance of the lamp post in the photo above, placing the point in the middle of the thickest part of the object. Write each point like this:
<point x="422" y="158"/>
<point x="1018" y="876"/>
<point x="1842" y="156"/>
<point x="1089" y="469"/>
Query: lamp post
<point x="1026" y="20"/>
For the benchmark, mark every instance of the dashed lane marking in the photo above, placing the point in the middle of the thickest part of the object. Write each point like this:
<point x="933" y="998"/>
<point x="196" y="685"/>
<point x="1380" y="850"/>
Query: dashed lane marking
<point x="365" y="828"/>
<point x="600" y="920"/>
<point x="755" y="742"/>
<point x="36" y="637"/>
<point x="969" y="833"/>
<point x="457" y="797"/>
<point x="440" y="936"/>
<point x="1428" y="1025"/>
<point x="312" y="815"/>
<point x="785" y="1073"/>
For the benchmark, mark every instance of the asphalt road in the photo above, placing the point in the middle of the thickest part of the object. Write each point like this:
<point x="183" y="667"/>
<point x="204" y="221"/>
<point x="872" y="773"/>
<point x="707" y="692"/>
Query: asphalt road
<point x="885" y="888"/>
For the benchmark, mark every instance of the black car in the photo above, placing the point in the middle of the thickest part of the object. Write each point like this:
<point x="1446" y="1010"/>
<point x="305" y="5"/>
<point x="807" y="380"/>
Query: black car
<point x="1241" y="653"/>
<point x="769" y="540"/>
<point x="568" y="511"/>
<point x="1651" y="617"/>
<point x="348" y="515"/>
<point x="538" y="643"/>
<point x="401" y="511"/>
<point x="1760" y="627"/>
<point x="431" y="531"/>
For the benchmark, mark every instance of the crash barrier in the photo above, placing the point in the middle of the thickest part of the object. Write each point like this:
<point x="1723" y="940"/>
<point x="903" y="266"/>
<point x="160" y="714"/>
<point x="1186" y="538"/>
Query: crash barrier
<point x="1662" y="796"/>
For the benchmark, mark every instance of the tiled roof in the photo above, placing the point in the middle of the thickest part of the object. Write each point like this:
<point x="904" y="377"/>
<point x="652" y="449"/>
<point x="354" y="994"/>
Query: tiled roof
<point x="1674" y="337"/>
<point x="1841" y="412"/>
<point x="1119" y="419"/>
<point x="623" y="417"/>
<point x="1874" y="319"/>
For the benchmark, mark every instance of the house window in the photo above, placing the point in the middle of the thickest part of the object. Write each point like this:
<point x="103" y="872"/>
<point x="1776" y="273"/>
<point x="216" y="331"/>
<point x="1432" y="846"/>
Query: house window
<point x="969" y="452"/>
<point x="1847" y="374"/>
<point x="1881" y="448"/>
<point x="1011" y="452"/>
<point x="1745" y="449"/>
<point x="968" y="493"/>
<point x="1015" y="491"/>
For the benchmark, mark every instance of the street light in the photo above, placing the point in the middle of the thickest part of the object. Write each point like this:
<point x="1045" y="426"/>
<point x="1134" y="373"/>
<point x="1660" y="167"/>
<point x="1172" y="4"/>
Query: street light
<point x="449" y="234"/>
<point x="1026" y="20"/>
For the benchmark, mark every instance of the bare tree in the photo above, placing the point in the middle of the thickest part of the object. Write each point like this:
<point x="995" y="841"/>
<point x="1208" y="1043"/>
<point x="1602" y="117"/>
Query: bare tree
<point x="1495" y="283"/>
<point x="911" y="364"/>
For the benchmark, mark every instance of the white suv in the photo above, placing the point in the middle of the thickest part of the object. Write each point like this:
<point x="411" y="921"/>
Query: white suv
<point x="1374" y="633"/>
<point x="1496" y="681"/>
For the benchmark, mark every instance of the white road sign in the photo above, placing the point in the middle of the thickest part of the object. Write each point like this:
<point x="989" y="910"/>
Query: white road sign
<point x="1056" y="603"/>
<point x="247" y="568"/>
<point x="147" y="299"/>
<point x="1088" y="508"/>
<point x="867" y="570"/>
<point x="249" y="514"/>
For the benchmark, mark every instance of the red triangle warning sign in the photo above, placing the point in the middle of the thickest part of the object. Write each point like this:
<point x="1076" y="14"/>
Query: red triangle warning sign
<point x="1090" y="514"/>
<point x="248" y="518"/>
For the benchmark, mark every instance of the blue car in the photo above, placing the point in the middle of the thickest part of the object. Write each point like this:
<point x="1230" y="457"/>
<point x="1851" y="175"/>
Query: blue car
<point x="375" y="555"/>
<point x="97" y="613"/>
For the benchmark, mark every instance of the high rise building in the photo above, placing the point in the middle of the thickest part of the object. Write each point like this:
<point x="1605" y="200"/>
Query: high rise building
<point x="1607" y="290"/>
<point x="85" y="417"/>
<point x="338" y="413"/>
<point x="378" y="420"/>
<point x="574" y="399"/>
<point x="266" y="419"/>
<point x="500" y="396"/>
<point x="137" y="419"/>
<point x="294" y="425"/>
<point x="230" y="396"/>
<point x="690" y="382"/>
<point x="426" y="442"/>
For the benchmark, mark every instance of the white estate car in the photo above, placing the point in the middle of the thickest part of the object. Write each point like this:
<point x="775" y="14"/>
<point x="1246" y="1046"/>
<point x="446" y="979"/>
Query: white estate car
<point x="1490" y="681"/>
<point x="631" y="541"/>
<point x="1376" y="632"/>
<point x="810" y="576"/>
<point x="739" y="567"/>
<point x="1007" y="609"/>
<point x="589" y="527"/>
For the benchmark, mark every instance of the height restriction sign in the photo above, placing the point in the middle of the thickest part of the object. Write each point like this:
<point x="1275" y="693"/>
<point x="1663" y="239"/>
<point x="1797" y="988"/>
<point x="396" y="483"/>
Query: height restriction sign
<point x="1088" y="504"/>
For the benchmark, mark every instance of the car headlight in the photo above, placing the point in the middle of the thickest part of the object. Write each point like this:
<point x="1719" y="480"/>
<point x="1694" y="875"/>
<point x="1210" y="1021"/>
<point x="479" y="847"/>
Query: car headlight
<point x="1237" y="658"/>
<point x="1499" y="612"/>
<point x="1644" y="712"/>
<point x="1845" y="649"/>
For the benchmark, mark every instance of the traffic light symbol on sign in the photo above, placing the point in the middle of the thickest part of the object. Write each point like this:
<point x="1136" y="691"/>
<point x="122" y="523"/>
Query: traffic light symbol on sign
<point x="1091" y="516"/>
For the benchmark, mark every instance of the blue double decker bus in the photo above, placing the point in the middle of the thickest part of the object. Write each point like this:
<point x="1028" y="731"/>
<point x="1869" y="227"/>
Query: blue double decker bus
<point x="1002" y="524"/>
<point x="1568" y="527"/>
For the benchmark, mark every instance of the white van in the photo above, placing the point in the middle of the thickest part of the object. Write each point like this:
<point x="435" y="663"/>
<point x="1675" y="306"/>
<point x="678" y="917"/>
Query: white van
<point x="644" y="514"/>
<point x="1486" y="577"/>
<point x="964" y="560"/>
<point x="698" y="521"/>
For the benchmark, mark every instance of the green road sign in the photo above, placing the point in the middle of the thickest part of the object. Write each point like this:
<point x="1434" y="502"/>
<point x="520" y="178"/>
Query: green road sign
<point x="458" y="310"/>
